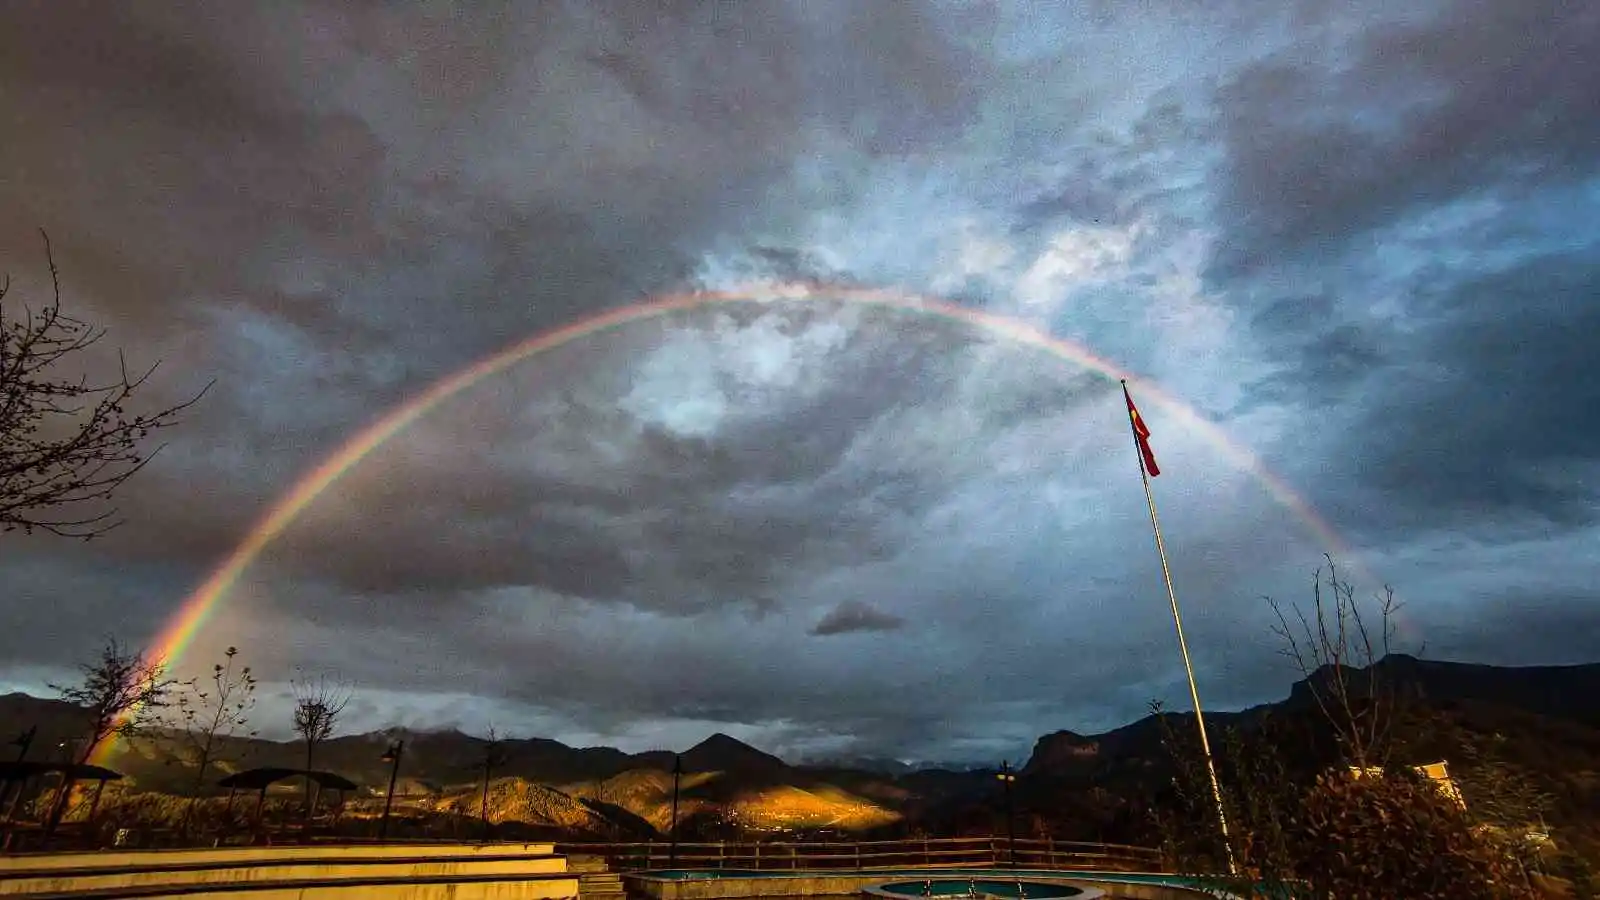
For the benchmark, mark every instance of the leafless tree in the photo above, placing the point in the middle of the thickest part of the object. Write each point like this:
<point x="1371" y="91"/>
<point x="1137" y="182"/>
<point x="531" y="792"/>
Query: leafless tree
<point x="66" y="443"/>
<point x="210" y="711"/>
<point x="1339" y="650"/>
<point x="318" y="703"/>
<point x="122" y="691"/>
<point x="1320" y="819"/>
<point x="494" y="756"/>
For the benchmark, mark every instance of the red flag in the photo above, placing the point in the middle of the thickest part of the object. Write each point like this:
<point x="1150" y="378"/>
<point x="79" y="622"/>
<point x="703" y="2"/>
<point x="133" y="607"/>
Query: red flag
<point x="1141" y="434"/>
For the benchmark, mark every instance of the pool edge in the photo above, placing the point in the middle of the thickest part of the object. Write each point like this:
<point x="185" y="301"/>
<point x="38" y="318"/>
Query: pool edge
<point x="723" y="885"/>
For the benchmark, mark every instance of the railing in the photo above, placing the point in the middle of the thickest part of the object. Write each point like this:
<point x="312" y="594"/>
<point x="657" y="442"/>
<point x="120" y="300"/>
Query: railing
<point x="982" y="852"/>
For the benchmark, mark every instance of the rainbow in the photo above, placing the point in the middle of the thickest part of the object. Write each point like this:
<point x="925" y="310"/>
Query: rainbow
<point x="198" y="607"/>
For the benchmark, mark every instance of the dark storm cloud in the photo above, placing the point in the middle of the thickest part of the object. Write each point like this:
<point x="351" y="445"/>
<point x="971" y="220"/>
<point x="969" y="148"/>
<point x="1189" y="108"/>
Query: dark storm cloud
<point x="1117" y="178"/>
<point x="1298" y="315"/>
<point x="1565" y="623"/>
<point x="160" y="161"/>
<point x="1474" y="96"/>
<point x="1418" y="172"/>
<point x="58" y="610"/>
<point x="308" y="169"/>
<point x="775" y="683"/>
<point x="1327" y="363"/>
<point x="1369" y="245"/>
<point x="853" y="616"/>
<point x="241" y="173"/>
<point x="1492" y="422"/>
<point x="796" y="482"/>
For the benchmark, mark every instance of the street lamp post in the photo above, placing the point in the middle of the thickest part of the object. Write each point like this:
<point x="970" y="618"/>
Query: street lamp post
<point x="392" y="757"/>
<point x="677" y="773"/>
<point x="1006" y="777"/>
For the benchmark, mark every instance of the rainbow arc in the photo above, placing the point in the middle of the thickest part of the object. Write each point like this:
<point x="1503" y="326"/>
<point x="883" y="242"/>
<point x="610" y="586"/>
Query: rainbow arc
<point x="200" y="605"/>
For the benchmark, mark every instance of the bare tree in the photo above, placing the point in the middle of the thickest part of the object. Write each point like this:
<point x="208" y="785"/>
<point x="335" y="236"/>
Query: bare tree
<point x="318" y="702"/>
<point x="494" y="756"/>
<point x="1326" y="797"/>
<point x="1340" y="651"/>
<point x="66" y="443"/>
<point x="208" y="713"/>
<point x="122" y="691"/>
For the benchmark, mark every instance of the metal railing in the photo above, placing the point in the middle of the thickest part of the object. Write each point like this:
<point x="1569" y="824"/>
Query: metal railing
<point x="977" y="852"/>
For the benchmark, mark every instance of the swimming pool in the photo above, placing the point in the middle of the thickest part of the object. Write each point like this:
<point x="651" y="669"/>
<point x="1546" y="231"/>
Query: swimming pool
<point x="894" y="874"/>
<point x="1017" y="888"/>
<point x="743" y="884"/>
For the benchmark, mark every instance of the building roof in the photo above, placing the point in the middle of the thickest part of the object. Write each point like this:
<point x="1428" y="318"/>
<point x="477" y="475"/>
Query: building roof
<point x="22" y="770"/>
<point x="257" y="779"/>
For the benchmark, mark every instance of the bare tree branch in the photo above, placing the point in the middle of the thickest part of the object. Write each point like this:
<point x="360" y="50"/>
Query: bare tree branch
<point x="494" y="755"/>
<point x="1340" y="655"/>
<point x="209" y="712"/>
<point x="122" y="691"/>
<point x="66" y="444"/>
<point x="318" y="702"/>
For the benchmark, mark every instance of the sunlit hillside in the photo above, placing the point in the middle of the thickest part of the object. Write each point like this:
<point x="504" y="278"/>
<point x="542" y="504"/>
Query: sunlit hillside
<point x="793" y="808"/>
<point x="519" y="800"/>
<point x="756" y="807"/>
<point x="647" y="793"/>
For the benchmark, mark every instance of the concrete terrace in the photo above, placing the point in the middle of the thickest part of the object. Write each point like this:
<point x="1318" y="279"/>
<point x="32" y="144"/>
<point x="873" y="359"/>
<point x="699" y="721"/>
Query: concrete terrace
<point x="414" y="871"/>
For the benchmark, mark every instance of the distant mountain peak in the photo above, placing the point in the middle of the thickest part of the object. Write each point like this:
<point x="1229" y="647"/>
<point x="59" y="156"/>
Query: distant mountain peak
<point x="720" y="742"/>
<point x="722" y="752"/>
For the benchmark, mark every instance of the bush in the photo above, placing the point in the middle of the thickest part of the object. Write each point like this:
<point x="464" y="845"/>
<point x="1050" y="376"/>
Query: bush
<point x="1396" y="835"/>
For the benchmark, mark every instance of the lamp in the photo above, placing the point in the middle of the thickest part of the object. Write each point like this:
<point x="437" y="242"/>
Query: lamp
<point x="392" y="757"/>
<point x="1006" y="778"/>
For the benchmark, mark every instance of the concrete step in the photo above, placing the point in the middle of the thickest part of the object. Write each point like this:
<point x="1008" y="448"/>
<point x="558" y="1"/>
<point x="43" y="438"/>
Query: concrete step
<point x="545" y="885"/>
<point x="321" y="871"/>
<point x="232" y="856"/>
<point x="585" y="863"/>
<point x="601" y="885"/>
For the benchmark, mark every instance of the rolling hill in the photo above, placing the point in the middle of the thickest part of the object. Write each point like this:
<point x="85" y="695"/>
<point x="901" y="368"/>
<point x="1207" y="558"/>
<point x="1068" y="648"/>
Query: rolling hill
<point x="1074" y="786"/>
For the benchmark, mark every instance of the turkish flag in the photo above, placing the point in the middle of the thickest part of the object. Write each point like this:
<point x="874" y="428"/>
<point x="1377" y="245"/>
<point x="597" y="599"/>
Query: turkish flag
<point x="1141" y="434"/>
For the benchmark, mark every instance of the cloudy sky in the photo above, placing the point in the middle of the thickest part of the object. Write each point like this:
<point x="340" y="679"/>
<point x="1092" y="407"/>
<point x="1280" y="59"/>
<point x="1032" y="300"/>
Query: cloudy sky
<point x="1362" y="238"/>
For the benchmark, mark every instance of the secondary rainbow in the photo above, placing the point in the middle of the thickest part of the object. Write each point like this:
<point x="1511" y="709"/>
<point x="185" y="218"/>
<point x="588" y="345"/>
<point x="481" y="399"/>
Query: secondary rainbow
<point x="197" y="608"/>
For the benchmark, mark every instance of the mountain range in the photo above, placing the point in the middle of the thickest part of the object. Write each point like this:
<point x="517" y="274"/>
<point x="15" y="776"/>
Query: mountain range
<point x="1073" y="786"/>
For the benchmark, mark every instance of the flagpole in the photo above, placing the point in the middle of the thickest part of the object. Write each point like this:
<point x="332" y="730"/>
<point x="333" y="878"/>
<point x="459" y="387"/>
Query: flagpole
<point x="1183" y="645"/>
